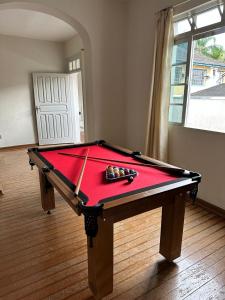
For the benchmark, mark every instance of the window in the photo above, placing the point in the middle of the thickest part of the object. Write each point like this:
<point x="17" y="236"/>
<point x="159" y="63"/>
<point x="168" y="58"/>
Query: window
<point x="207" y="18"/>
<point x="74" y="65"/>
<point x="198" y="77"/>
<point x="182" y="26"/>
<point x="178" y="74"/>
<point x="198" y="70"/>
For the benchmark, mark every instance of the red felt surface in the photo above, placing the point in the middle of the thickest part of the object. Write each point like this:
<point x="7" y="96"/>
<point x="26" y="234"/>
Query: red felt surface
<point x="93" y="183"/>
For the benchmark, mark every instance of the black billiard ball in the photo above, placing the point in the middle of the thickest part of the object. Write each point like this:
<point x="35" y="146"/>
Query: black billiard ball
<point x="130" y="179"/>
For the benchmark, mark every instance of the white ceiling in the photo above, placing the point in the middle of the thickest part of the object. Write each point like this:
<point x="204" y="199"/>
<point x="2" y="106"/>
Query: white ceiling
<point x="35" y="25"/>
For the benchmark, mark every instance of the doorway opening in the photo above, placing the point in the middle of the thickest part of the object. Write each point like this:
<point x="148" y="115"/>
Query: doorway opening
<point x="44" y="47"/>
<point x="75" y="68"/>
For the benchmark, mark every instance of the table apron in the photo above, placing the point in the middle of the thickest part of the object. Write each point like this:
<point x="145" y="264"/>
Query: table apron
<point x="123" y="211"/>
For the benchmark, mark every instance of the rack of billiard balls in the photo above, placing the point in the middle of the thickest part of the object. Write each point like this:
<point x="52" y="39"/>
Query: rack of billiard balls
<point x="114" y="173"/>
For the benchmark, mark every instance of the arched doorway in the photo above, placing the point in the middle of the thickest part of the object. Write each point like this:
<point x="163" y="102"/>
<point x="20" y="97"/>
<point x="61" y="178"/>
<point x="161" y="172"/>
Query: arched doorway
<point x="86" y="53"/>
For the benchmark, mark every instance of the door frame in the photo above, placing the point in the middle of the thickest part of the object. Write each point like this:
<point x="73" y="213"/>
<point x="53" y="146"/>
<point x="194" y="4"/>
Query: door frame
<point x="81" y="55"/>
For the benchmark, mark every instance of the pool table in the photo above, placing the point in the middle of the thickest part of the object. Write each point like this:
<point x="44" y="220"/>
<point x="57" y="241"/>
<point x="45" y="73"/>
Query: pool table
<point x="103" y="203"/>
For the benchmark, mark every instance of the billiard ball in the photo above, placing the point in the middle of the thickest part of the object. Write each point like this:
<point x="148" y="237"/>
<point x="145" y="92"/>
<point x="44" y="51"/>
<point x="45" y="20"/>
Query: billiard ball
<point x="111" y="175"/>
<point x="126" y="171"/>
<point x="130" y="179"/>
<point x="122" y="173"/>
<point x="110" y="169"/>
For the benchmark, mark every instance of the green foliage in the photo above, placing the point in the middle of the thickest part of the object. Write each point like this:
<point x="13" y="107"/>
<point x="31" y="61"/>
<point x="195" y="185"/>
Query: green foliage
<point x="208" y="47"/>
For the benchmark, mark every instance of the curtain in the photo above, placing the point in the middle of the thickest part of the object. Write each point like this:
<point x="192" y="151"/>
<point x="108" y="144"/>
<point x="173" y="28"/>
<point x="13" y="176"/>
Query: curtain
<point x="157" y="128"/>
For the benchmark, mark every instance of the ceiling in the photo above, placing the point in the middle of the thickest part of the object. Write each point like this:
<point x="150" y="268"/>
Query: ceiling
<point x="35" y="25"/>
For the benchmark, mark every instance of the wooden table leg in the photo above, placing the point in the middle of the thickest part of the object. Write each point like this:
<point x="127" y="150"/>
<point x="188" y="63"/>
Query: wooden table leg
<point x="47" y="193"/>
<point x="172" y="227"/>
<point x="100" y="260"/>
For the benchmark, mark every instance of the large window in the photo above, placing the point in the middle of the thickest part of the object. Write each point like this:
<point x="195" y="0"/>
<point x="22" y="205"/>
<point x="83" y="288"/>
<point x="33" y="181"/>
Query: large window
<point x="198" y="69"/>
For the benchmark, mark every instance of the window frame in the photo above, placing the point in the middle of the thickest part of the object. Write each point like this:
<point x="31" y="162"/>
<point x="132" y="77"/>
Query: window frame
<point x="189" y="37"/>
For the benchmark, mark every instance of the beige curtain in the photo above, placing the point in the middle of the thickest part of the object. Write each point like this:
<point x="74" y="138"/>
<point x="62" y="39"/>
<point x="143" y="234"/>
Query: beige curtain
<point x="157" y="131"/>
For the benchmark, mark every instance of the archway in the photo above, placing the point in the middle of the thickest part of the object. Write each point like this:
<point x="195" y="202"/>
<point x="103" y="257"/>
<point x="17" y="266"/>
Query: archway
<point x="88" y="104"/>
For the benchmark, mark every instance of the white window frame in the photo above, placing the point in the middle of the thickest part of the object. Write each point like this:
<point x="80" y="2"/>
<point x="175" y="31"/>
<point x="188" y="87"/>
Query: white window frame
<point x="189" y="37"/>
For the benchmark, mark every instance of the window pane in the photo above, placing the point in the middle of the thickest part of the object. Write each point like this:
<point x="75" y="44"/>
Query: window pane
<point x="70" y="66"/>
<point x="209" y="17"/>
<point x="181" y="27"/>
<point x="198" y="76"/>
<point x="206" y="101"/>
<point x="178" y="74"/>
<point x="179" y="53"/>
<point x="78" y="63"/>
<point x="74" y="65"/>
<point x="177" y="94"/>
<point x="175" y="113"/>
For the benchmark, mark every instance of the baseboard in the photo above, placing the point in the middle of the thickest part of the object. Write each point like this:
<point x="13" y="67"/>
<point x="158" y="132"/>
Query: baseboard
<point x="17" y="147"/>
<point x="211" y="207"/>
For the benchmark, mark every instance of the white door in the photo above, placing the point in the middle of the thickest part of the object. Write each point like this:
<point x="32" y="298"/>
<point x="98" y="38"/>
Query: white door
<point x="57" y="108"/>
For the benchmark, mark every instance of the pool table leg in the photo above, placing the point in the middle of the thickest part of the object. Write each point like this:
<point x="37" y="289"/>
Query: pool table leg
<point x="47" y="193"/>
<point x="172" y="227"/>
<point x="100" y="260"/>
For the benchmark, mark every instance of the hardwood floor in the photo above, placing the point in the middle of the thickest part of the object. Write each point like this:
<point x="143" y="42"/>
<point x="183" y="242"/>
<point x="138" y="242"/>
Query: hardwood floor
<point x="44" y="256"/>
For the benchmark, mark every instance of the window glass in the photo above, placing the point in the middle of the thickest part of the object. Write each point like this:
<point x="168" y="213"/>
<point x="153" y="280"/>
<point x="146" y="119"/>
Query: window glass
<point x="206" y="99"/>
<point x="178" y="74"/>
<point x="175" y="113"/>
<point x="78" y="63"/>
<point x="179" y="53"/>
<point x="181" y="27"/>
<point x="177" y="94"/>
<point x="70" y="66"/>
<point x="207" y="18"/>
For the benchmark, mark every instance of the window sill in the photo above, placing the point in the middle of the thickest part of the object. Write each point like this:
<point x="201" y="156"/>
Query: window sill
<point x="204" y="131"/>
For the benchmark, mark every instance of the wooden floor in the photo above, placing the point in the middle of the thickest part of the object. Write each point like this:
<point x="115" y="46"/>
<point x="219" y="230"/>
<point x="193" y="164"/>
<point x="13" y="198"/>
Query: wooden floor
<point x="44" y="256"/>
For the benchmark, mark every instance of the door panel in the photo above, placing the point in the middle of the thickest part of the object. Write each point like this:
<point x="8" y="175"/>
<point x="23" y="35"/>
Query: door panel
<point x="57" y="108"/>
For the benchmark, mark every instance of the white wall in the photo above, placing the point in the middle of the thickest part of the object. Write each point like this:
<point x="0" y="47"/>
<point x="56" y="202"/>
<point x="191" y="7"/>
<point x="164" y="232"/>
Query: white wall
<point x="73" y="46"/>
<point x="202" y="151"/>
<point x="192" y="149"/>
<point x="19" y="57"/>
<point x="140" y="44"/>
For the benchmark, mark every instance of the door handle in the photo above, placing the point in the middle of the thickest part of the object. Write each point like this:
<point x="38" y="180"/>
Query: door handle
<point x="37" y="107"/>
